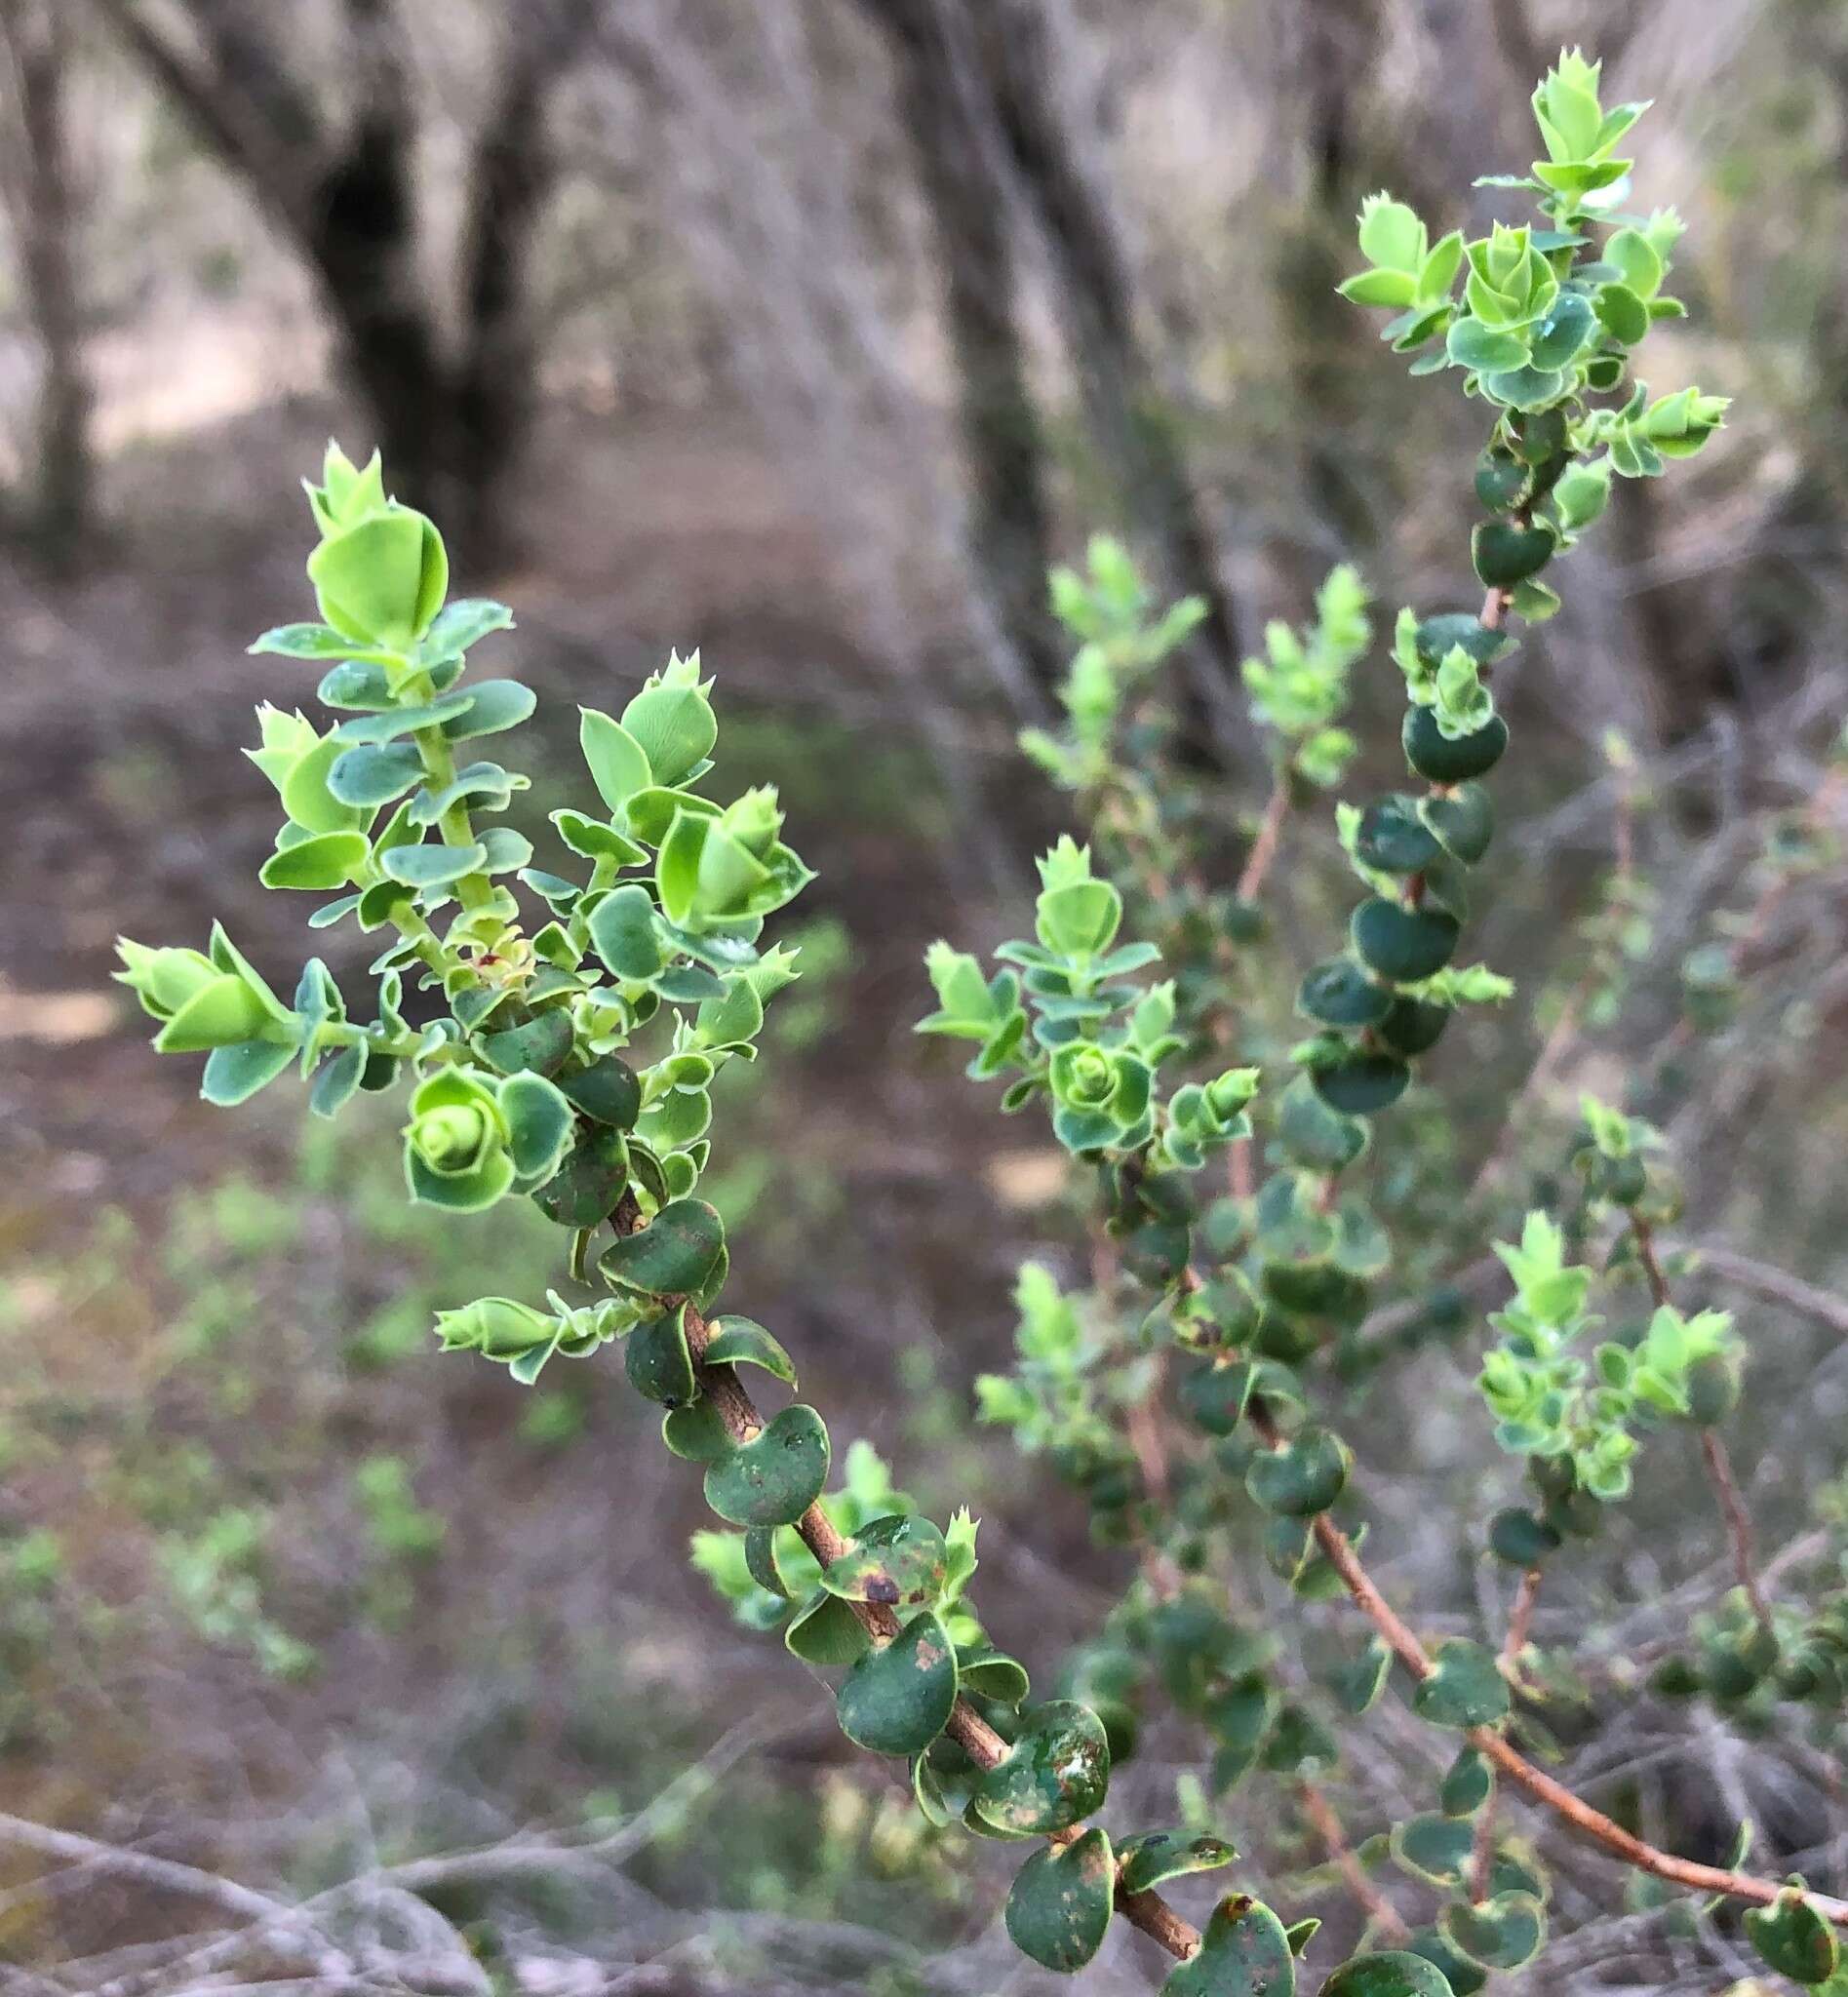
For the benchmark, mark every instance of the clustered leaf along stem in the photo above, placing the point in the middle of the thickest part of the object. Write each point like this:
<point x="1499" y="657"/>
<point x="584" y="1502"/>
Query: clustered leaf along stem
<point x="574" y="1063"/>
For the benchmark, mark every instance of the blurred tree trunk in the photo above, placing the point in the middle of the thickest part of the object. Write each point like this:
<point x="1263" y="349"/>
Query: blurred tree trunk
<point x="1133" y="419"/>
<point x="57" y="515"/>
<point x="941" y="101"/>
<point x="451" y="424"/>
<point x="1338" y="50"/>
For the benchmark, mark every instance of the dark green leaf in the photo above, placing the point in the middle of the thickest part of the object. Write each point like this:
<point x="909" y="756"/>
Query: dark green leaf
<point x="1391" y="1972"/>
<point x="1339" y="992"/>
<point x="739" y="1342"/>
<point x="1402" y="944"/>
<point x="1244" y="1952"/>
<point x="1054" y="1775"/>
<point x="1465" y="1689"/>
<point x="674" y="1255"/>
<point x="1059" y="1907"/>
<point x="660" y="1365"/>
<point x="897" y="1699"/>
<point x="774" y="1480"/>
<point x="1154" y="1856"/>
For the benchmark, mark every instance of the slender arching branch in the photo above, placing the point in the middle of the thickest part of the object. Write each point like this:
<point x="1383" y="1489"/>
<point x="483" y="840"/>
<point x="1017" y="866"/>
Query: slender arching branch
<point x="1572" y="1810"/>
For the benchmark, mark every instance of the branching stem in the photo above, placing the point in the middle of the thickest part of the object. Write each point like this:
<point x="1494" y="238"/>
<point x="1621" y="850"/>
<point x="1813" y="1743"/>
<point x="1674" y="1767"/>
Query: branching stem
<point x="1147" y="1911"/>
<point x="1572" y="1810"/>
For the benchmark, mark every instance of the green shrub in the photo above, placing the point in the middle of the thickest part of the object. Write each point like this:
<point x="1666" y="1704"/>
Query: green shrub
<point x="572" y="1064"/>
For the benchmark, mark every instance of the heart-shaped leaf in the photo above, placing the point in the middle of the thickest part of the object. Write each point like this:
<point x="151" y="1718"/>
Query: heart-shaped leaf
<point x="985" y="1672"/>
<point x="1154" y="1856"/>
<point x="895" y="1561"/>
<point x="1451" y="759"/>
<point x="1059" y="1907"/>
<point x="1506" y="553"/>
<point x="585" y="1188"/>
<point x="696" y="1433"/>
<point x="1215" y="1396"/>
<point x="1391" y="837"/>
<point x="1357" y="1684"/>
<point x="1465" y="1689"/>
<point x="1054" y="1775"/>
<point x="1403" y="945"/>
<point x="1792" y="1938"/>
<point x="1303" y="1477"/>
<point x="539" y="1044"/>
<point x="1462" y="819"/>
<point x="538" y="1124"/>
<point x="897" y="1698"/>
<point x="1435" y="1847"/>
<point x="1465" y="1786"/>
<point x="1339" y="992"/>
<point x="674" y="1255"/>
<point x="825" y="1631"/>
<point x="774" y="1478"/>
<point x="1361" y="1084"/>
<point x="1244" y="1952"/>
<point x="608" y="1090"/>
<point x="1499" y="1933"/>
<point x="1391" y="1973"/>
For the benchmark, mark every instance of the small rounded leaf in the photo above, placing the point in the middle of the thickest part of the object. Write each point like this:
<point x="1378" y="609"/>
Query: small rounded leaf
<point x="1303" y="1477"/>
<point x="1465" y="1689"/>
<point x="1446" y="760"/>
<point x="1794" y="1939"/>
<point x="1500" y="1934"/>
<point x="675" y="1255"/>
<point x="1055" y="1773"/>
<point x="774" y="1478"/>
<point x="897" y="1699"/>
<point x="1361" y="1084"/>
<point x="741" y="1342"/>
<point x="658" y="1363"/>
<point x="894" y="1561"/>
<point x="1244" y="1952"/>
<point x="1391" y="1972"/>
<point x="1340" y="994"/>
<point x="1059" y="1907"/>
<point x="1403" y="945"/>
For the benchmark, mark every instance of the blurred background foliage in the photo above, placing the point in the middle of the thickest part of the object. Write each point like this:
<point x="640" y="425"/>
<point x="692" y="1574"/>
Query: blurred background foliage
<point x="811" y="332"/>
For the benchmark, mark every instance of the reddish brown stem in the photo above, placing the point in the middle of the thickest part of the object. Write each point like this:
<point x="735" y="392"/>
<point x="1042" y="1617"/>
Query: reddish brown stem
<point x="1269" y="832"/>
<point x="1577" y="1813"/>
<point x="738" y="1413"/>
<point x="1519" y="1617"/>
<point x="1328" y="1826"/>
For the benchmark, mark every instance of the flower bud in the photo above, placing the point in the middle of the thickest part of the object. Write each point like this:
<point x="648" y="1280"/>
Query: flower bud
<point x="497" y="1327"/>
